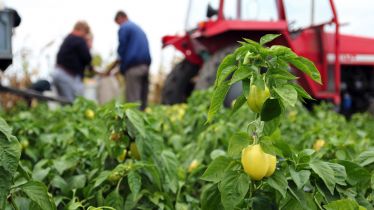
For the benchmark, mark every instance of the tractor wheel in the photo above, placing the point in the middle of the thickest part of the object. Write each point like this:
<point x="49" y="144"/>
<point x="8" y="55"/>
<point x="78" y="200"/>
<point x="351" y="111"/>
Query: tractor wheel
<point x="178" y="84"/>
<point x="207" y="74"/>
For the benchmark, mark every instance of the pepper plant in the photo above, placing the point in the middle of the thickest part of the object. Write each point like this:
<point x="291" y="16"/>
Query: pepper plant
<point x="250" y="176"/>
<point x="26" y="189"/>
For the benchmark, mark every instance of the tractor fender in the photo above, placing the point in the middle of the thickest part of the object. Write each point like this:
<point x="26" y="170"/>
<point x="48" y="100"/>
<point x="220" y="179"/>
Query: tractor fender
<point x="185" y="45"/>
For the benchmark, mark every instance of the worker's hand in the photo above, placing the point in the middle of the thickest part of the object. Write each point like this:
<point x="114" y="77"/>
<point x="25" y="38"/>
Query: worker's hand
<point x="101" y="74"/>
<point x="113" y="72"/>
<point x="112" y="66"/>
<point x="108" y="73"/>
<point x="111" y="69"/>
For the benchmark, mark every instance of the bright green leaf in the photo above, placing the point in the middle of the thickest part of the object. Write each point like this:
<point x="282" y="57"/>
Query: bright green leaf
<point x="38" y="193"/>
<point x="137" y="121"/>
<point x="278" y="182"/>
<point x="10" y="152"/>
<point x="226" y="72"/>
<point x="307" y="67"/>
<point x="267" y="145"/>
<point x="154" y="175"/>
<point x="40" y="174"/>
<point x="181" y="206"/>
<point x="246" y="84"/>
<point x="364" y="203"/>
<point x="271" y="126"/>
<point x="168" y="168"/>
<point x="258" y="80"/>
<point x="101" y="178"/>
<point x="237" y="142"/>
<point x="325" y="172"/>
<point x="5" y="129"/>
<point x="228" y="62"/>
<point x="243" y="72"/>
<point x="218" y="97"/>
<point x="233" y="188"/>
<point x="282" y="74"/>
<point x="74" y="205"/>
<point x="282" y="52"/>
<point x="268" y="38"/>
<point x="115" y="200"/>
<point x="211" y="198"/>
<point x="5" y="183"/>
<point x="242" y="51"/>
<point x="135" y="182"/>
<point x="64" y="163"/>
<point x="366" y="158"/>
<point x="300" y="91"/>
<point x="216" y="169"/>
<point x="77" y="182"/>
<point x="299" y="177"/>
<point x="339" y="173"/>
<point x="303" y="200"/>
<point x="238" y="103"/>
<point x="288" y="94"/>
<point x="60" y="183"/>
<point x="131" y="202"/>
<point x="253" y="44"/>
<point x="356" y="174"/>
<point x="283" y="147"/>
<point x="217" y="153"/>
<point x="344" y="204"/>
<point x="24" y="171"/>
<point x="247" y="58"/>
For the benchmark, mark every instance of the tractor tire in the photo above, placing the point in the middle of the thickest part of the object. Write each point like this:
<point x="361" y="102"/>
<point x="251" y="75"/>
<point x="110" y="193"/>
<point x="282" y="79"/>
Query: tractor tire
<point x="208" y="71"/>
<point x="178" y="84"/>
<point x="207" y="74"/>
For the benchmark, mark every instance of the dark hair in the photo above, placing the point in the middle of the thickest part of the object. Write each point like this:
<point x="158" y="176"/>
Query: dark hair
<point x="120" y="14"/>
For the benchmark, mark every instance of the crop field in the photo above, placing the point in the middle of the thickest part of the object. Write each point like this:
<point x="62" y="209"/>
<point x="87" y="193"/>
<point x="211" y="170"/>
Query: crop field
<point x="265" y="152"/>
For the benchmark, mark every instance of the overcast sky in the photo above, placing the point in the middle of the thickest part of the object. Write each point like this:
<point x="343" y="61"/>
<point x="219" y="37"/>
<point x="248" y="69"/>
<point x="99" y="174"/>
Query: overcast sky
<point x="46" y="21"/>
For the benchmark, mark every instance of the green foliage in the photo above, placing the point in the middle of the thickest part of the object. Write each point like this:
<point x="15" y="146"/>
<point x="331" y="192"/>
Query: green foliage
<point x="247" y="64"/>
<point x="37" y="192"/>
<point x="10" y="152"/>
<point x="304" y="178"/>
<point x="71" y="162"/>
<point x="76" y="159"/>
<point x="346" y="204"/>
<point x="233" y="187"/>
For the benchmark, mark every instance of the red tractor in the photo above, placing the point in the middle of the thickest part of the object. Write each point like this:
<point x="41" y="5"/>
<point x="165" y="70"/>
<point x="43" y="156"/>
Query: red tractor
<point x="308" y="27"/>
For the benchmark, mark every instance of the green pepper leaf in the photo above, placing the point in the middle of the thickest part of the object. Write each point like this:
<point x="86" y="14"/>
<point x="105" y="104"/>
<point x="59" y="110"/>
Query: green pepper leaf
<point x="218" y="97"/>
<point x="287" y="94"/>
<point x="268" y="38"/>
<point x="306" y="66"/>
<point x="216" y="169"/>
<point x="271" y="109"/>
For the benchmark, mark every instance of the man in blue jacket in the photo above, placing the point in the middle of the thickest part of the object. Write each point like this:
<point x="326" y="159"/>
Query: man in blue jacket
<point x="135" y="59"/>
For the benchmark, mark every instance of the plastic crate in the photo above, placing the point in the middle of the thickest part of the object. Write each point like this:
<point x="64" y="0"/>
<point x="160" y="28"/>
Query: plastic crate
<point x="6" y="23"/>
